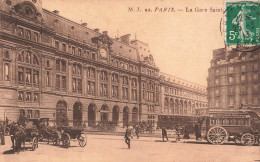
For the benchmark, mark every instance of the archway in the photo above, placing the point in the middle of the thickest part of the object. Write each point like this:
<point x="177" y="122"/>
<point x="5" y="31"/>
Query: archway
<point x="104" y="113"/>
<point x="125" y="115"/>
<point x="115" y="115"/>
<point x="91" y="114"/>
<point x="135" y="115"/>
<point x="61" y="114"/>
<point x="77" y="114"/>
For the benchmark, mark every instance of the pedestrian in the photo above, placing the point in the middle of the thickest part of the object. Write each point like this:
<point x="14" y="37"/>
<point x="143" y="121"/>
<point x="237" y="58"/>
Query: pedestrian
<point x="186" y="132"/>
<point x="197" y="131"/>
<point x="164" y="133"/>
<point x="2" y="133"/>
<point x="137" y="130"/>
<point x="178" y="133"/>
<point x="128" y="135"/>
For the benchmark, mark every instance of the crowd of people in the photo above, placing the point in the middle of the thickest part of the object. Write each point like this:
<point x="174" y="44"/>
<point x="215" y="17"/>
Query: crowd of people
<point x="185" y="131"/>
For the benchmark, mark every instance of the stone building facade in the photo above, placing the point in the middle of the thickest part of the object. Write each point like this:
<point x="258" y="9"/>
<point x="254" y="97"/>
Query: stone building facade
<point x="55" y="68"/>
<point x="234" y="80"/>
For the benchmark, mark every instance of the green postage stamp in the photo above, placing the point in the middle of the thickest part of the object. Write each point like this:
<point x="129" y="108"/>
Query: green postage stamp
<point x="242" y="22"/>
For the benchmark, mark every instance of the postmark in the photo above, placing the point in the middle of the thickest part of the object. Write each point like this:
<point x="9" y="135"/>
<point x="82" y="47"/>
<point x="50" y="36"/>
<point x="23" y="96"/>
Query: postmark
<point x="242" y="25"/>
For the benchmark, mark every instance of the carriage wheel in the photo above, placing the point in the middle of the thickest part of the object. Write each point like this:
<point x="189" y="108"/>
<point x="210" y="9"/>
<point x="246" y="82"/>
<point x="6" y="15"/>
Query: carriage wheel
<point x="66" y="140"/>
<point x="217" y="135"/>
<point x="34" y="143"/>
<point x="247" y="139"/>
<point x="82" y="140"/>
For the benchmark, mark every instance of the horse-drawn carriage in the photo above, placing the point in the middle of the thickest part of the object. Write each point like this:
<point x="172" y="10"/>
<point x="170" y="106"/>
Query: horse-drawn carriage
<point x="238" y="125"/>
<point x="61" y="134"/>
<point x="69" y="133"/>
<point x="24" y="133"/>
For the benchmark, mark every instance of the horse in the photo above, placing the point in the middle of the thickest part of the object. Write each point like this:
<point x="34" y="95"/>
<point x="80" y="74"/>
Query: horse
<point x="18" y="137"/>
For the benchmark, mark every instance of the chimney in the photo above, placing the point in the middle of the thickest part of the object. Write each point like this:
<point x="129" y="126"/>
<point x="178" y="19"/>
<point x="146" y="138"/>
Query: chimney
<point x="105" y="32"/>
<point x="56" y="12"/>
<point x="96" y="30"/>
<point x="125" y="39"/>
<point x="84" y="24"/>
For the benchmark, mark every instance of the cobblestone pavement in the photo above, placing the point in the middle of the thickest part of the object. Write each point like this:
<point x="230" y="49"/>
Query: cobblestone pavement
<point x="113" y="149"/>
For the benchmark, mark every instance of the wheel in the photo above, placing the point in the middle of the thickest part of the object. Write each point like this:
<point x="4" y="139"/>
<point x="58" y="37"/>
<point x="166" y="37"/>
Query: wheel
<point x="82" y="140"/>
<point x="34" y="143"/>
<point x="217" y="135"/>
<point x="66" y="139"/>
<point x="247" y="139"/>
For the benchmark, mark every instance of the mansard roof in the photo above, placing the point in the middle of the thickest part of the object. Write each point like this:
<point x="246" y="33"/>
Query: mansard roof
<point x="82" y="33"/>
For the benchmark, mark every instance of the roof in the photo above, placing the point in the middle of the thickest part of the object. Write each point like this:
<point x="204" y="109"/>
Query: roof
<point x="81" y="33"/>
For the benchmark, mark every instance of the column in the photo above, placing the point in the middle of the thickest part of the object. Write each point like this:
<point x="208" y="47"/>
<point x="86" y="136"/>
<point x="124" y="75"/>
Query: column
<point x="97" y="81"/>
<point x="109" y="86"/>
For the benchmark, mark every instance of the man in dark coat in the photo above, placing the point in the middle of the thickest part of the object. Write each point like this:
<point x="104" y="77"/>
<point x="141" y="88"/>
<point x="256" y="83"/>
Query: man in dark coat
<point x="128" y="135"/>
<point x="164" y="133"/>
<point x="137" y="131"/>
<point x="197" y="131"/>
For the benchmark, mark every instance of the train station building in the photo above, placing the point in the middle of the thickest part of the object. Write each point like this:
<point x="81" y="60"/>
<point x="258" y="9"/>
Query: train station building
<point x="234" y="79"/>
<point x="52" y="67"/>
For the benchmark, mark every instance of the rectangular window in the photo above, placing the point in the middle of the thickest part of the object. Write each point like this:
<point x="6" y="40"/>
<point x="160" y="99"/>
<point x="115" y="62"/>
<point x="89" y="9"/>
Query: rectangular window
<point x="20" y="74"/>
<point x="79" y="86"/>
<point x="28" y="76"/>
<point x="48" y="78"/>
<point x="255" y="76"/>
<point x="73" y="50"/>
<point x="6" y="73"/>
<point x="63" y="85"/>
<point x="216" y="81"/>
<point x="35" y="77"/>
<point x="57" y="45"/>
<point x="20" y="96"/>
<point x="36" y="97"/>
<point x="243" y="77"/>
<point x="243" y="68"/>
<point x="28" y="96"/>
<point x="36" y="37"/>
<point x="58" y="65"/>
<point x="20" y="32"/>
<point x="63" y="64"/>
<point x="230" y="79"/>
<point x="29" y="114"/>
<point x="79" y="51"/>
<point x="28" y="34"/>
<point x="64" y="47"/>
<point x="255" y="66"/>
<point x="243" y="90"/>
<point x="58" y="82"/>
<point x="74" y="85"/>
<point x="93" y="56"/>
<point x="88" y="54"/>
<point x="230" y="69"/>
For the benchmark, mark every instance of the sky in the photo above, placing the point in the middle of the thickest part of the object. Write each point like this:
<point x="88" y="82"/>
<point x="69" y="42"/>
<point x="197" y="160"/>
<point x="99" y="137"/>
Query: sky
<point x="181" y="42"/>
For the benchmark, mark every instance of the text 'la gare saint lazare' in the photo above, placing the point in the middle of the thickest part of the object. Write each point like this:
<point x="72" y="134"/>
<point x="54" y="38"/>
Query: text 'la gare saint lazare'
<point x="173" y="9"/>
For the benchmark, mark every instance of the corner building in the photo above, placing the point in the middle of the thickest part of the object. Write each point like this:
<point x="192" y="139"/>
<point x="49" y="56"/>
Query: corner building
<point x="234" y="80"/>
<point x="52" y="67"/>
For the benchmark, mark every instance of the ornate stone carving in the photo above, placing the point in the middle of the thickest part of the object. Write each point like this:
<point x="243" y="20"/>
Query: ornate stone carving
<point x="6" y="25"/>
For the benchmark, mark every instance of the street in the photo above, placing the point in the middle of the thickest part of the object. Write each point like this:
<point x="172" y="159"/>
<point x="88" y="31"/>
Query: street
<point x="113" y="149"/>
